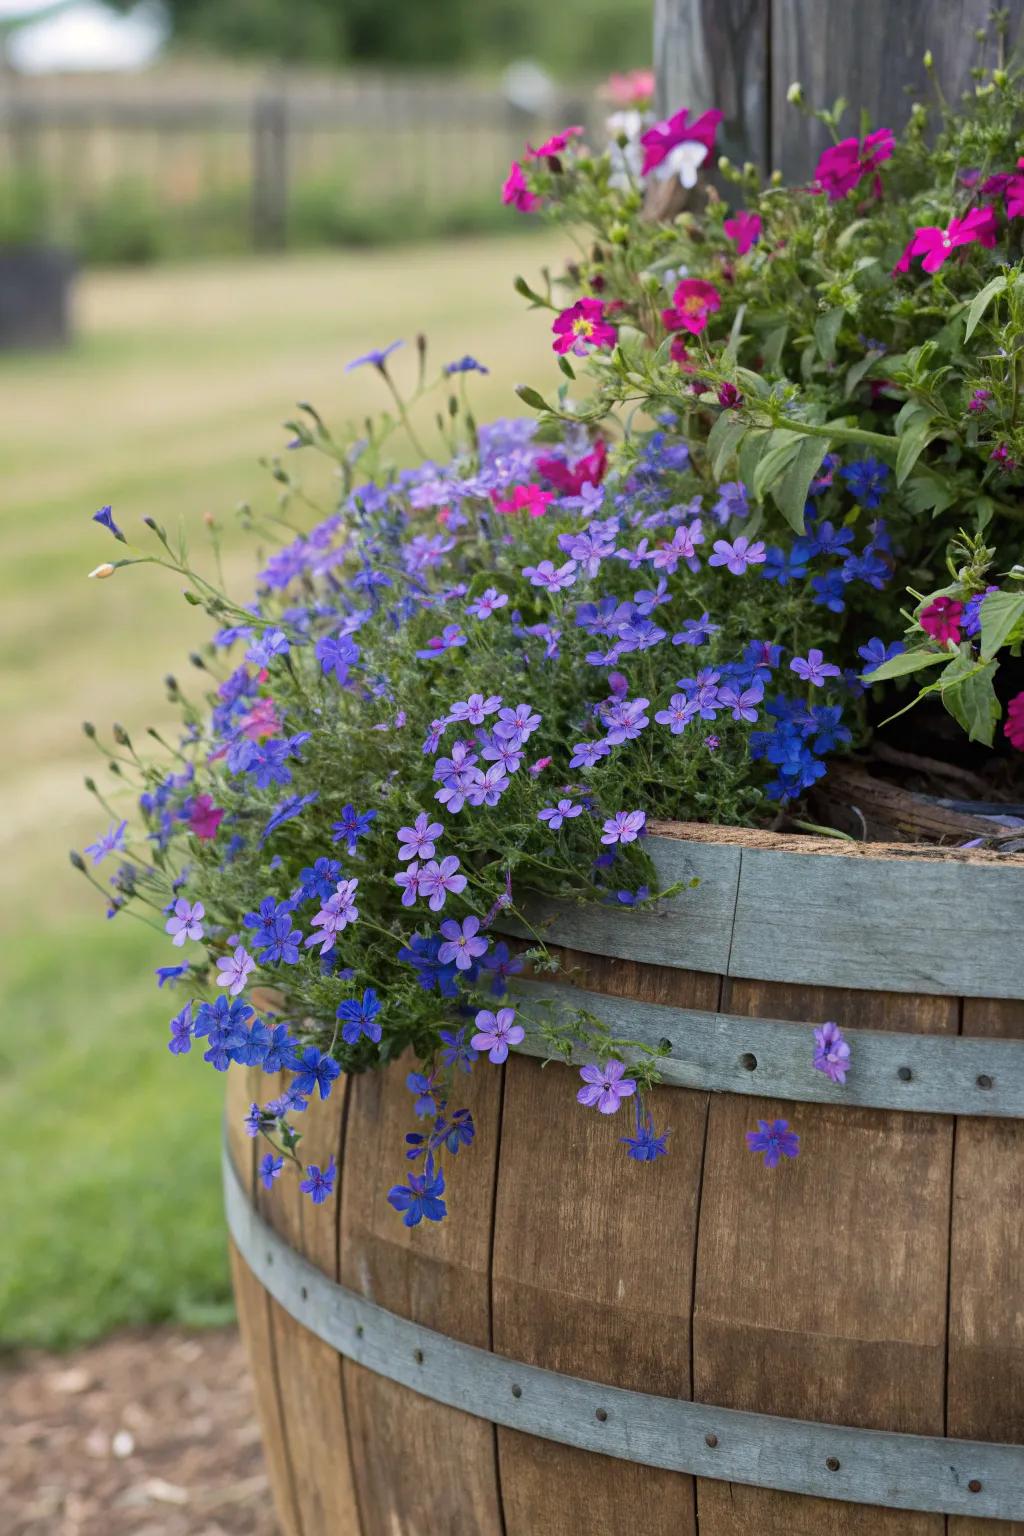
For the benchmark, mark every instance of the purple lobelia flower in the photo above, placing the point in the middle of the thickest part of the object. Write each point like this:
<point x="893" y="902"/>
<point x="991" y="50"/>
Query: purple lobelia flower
<point x="487" y="603"/>
<point x="555" y="815"/>
<point x="831" y="1052"/>
<point x="319" y="1182"/>
<point x="605" y="1086"/>
<point x="645" y="1145"/>
<point x="376" y="358"/>
<point x="438" y="880"/>
<point x="813" y="668"/>
<point x="738" y="555"/>
<point x="316" y="1070"/>
<point x="456" y="1052"/>
<point x="359" y="1017"/>
<point x="421" y="1197"/>
<point x="180" y="1042"/>
<point x="462" y="942"/>
<point x="270" y="1169"/>
<point x="185" y="922"/>
<point x="112" y="841"/>
<point x="105" y="518"/>
<point x="495" y="1032"/>
<point x="624" y="827"/>
<point x="775" y="1140"/>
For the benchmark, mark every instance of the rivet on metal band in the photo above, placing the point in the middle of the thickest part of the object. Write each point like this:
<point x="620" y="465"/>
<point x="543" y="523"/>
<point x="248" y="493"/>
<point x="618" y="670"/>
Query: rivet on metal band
<point x="916" y="1472"/>
<point x="771" y="1058"/>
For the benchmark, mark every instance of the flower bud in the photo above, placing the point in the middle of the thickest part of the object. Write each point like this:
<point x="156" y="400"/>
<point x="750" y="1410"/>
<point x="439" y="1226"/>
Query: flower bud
<point x="197" y="661"/>
<point x="90" y="784"/>
<point x="776" y="178"/>
<point x="77" y="862"/>
<point x="89" y="729"/>
<point x="1000" y="77"/>
<point x="121" y="736"/>
<point x="795" y="94"/>
<point x="102" y="571"/>
<point x="929" y="59"/>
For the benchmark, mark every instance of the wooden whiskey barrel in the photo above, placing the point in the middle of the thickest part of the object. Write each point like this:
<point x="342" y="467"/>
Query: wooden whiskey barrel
<point x="700" y="1345"/>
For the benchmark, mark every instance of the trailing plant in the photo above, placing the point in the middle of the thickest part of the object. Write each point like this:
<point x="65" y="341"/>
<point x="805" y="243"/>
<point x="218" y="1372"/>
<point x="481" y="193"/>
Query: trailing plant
<point x="481" y="679"/>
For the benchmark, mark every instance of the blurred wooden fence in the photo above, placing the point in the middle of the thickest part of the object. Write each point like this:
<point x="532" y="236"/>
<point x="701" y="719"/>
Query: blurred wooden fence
<point x="379" y="141"/>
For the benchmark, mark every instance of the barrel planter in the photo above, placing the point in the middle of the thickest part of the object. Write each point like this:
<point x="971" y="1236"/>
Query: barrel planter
<point x="701" y="1344"/>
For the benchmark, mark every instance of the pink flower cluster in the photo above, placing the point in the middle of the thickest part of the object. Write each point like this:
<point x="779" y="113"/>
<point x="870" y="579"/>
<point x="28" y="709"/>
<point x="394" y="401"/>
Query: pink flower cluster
<point x="1013" y="730"/>
<point x="934" y="244"/>
<point x="693" y="303"/>
<point x="843" y="166"/>
<point x="582" y="327"/>
<point x="664" y="137"/>
<point x="941" y="619"/>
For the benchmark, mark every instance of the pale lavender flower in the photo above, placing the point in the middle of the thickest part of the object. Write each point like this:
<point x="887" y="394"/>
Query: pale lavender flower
<point x="439" y="880"/>
<point x="742" y="702"/>
<point x="335" y="915"/>
<point x="521" y="722"/>
<point x="496" y="1032"/>
<point x="462" y="942"/>
<point x="679" y="713"/>
<point x="586" y="753"/>
<point x="737" y="555"/>
<point x="551" y="579"/>
<point x="475" y="709"/>
<point x="831" y="1052"/>
<point x="488" y="785"/>
<point x="555" y="815"/>
<point x="409" y="879"/>
<point x="233" y="971"/>
<point x="417" y="841"/>
<point x="112" y="841"/>
<point x="487" y="603"/>
<point x="186" y="922"/>
<point x="624" y="827"/>
<point x="605" y="1086"/>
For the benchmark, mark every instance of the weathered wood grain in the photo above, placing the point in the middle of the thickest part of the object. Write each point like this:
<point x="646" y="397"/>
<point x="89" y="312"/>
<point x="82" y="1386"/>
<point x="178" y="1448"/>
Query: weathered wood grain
<point x="254" y="1308"/>
<point x="818" y="920"/>
<point x="308" y="1370"/>
<point x="871" y="53"/>
<point x="742" y="56"/>
<point x="863" y="1466"/>
<point x="593" y="1276"/>
<point x="821" y="1284"/>
<point x="936" y="1074"/>
<point x="714" y="53"/>
<point x="985" y="1395"/>
<point x="419" y="1467"/>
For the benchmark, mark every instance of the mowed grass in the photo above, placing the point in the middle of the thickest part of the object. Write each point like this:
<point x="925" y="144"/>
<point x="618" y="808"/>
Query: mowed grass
<point x="176" y="385"/>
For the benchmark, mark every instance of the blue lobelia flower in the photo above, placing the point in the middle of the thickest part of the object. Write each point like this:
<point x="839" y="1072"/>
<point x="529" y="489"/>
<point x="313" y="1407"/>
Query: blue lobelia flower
<point x="421" y="1197"/>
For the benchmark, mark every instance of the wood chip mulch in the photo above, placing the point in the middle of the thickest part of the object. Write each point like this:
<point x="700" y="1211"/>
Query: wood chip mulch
<point x="148" y="1434"/>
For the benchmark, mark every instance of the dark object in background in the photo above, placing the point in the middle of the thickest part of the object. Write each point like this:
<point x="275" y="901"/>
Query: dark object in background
<point x="743" y="55"/>
<point x="35" y="291"/>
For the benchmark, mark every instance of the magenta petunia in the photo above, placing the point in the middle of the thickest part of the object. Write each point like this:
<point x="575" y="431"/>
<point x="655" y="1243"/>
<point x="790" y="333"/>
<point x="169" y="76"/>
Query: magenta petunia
<point x="582" y="327"/>
<point x="744" y="228"/>
<point x="941" y="619"/>
<point x="693" y="303"/>
<point x="204" y="818"/>
<point x="844" y="165"/>
<point x="556" y="143"/>
<point x="934" y="244"/>
<point x="516" y="194"/>
<point x="660" y="140"/>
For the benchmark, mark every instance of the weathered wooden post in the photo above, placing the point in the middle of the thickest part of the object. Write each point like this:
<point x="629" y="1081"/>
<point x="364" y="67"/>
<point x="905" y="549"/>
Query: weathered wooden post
<point x="742" y="56"/>
<point x="270" y="170"/>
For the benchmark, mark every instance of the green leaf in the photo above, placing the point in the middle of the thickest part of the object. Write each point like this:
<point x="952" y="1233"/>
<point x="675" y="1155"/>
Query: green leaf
<point x="754" y="444"/>
<point x="826" y="330"/>
<point x="905" y="663"/>
<point x="791" y="494"/>
<point x="1001" y="612"/>
<point x="782" y="445"/>
<point x="930" y="493"/>
<point x="724" y="440"/>
<point x="912" y="444"/>
<point x="529" y="396"/>
<point x="981" y="301"/>
<point x="566" y="367"/>
<point x="971" y="699"/>
<point x="855" y="373"/>
<point x="773" y="345"/>
<point x="735" y="336"/>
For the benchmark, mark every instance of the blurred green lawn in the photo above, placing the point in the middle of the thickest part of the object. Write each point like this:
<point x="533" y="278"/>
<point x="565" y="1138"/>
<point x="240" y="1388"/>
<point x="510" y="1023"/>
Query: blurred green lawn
<point x="176" y="385"/>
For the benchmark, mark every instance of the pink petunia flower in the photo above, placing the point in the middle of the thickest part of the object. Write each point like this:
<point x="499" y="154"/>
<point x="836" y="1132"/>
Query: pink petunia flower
<point x="1013" y="730"/>
<point x="935" y="244"/>
<point x="634" y="88"/>
<point x="516" y="194"/>
<point x="941" y="619"/>
<point x="693" y="303"/>
<point x="664" y="137"/>
<point x="556" y="143"/>
<point x="204" y="818"/>
<point x="261" y="721"/>
<point x="581" y="327"/>
<point x="524" y="498"/>
<point x="844" y="165"/>
<point x="744" y="228"/>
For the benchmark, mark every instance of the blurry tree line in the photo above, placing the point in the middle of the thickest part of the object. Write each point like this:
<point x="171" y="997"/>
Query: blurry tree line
<point x="572" y="37"/>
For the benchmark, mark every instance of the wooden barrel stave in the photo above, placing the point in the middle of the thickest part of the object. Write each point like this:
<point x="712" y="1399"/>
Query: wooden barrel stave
<point x="420" y="1466"/>
<point x="767" y="1293"/>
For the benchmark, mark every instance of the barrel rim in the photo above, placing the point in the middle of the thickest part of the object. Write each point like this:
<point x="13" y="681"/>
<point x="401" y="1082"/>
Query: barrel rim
<point x="758" y="839"/>
<point x="929" y="1474"/>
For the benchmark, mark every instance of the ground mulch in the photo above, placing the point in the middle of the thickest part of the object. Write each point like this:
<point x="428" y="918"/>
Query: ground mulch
<point x="150" y="1434"/>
